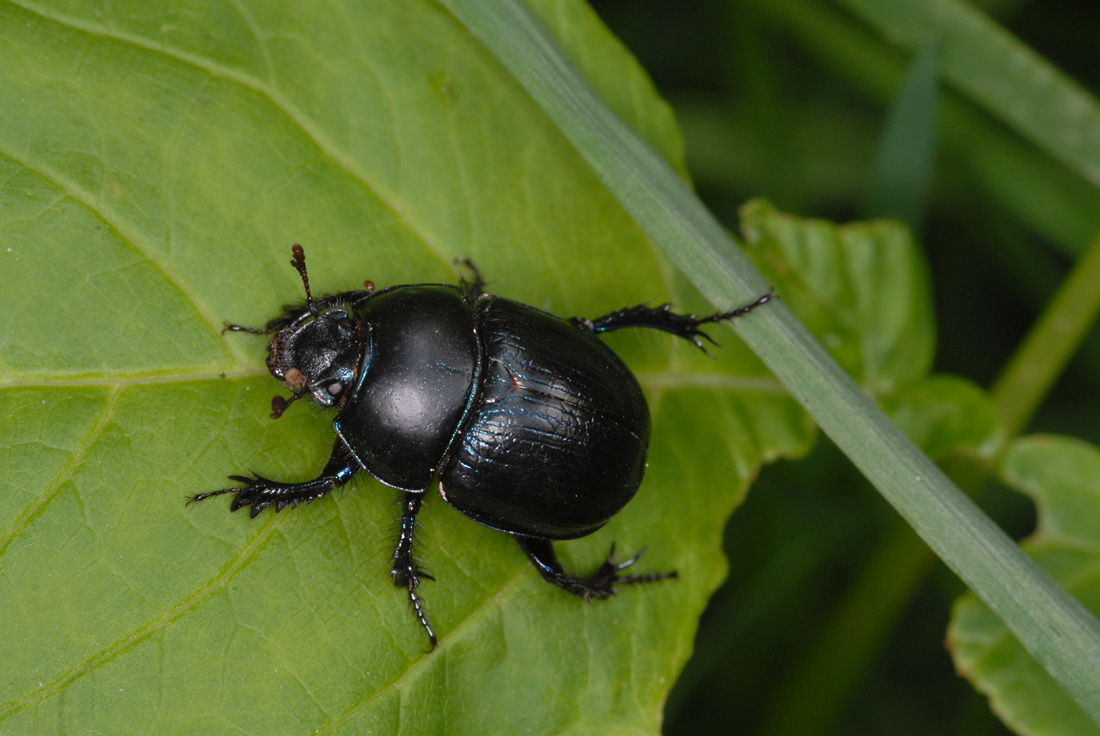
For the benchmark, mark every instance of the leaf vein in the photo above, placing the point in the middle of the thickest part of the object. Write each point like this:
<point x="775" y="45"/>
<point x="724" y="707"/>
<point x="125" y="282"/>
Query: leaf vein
<point x="417" y="665"/>
<point x="82" y="197"/>
<point x="120" y="646"/>
<point x="66" y="472"/>
<point x="303" y="122"/>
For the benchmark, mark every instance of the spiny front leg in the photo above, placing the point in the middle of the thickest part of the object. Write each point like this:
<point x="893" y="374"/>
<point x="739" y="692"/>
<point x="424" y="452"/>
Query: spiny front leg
<point x="404" y="571"/>
<point x="259" y="492"/>
<point x="663" y="318"/>
<point x="600" y="585"/>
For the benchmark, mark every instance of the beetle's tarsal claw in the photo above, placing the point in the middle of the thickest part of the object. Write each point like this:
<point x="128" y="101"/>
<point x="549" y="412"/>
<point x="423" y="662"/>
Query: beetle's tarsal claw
<point x="211" y="494"/>
<point x="417" y="604"/>
<point x="602" y="584"/>
<point x="651" y="577"/>
<point x="627" y="563"/>
<point x="470" y="289"/>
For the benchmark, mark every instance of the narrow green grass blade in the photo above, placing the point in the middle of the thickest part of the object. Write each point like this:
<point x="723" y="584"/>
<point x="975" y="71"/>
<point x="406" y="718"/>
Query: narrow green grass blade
<point x="903" y="166"/>
<point x="1050" y="344"/>
<point x="993" y="68"/>
<point x="1054" y="627"/>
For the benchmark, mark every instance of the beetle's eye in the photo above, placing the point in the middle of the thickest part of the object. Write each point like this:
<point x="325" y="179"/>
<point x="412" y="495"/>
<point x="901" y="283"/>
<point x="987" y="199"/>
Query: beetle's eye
<point x="334" y="388"/>
<point x="346" y="322"/>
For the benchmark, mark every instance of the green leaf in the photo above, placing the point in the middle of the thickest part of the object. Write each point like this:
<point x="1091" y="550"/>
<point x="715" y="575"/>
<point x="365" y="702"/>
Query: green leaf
<point x="946" y="414"/>
<point x="157" y="165"/>
<point x="1062" y="475"/>
<point x="862" y="289"/>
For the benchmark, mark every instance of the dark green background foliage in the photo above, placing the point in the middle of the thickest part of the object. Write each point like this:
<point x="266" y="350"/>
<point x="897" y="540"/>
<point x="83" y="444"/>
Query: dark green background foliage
<point x="793" y="101"/>
<point x="157" y="163"/>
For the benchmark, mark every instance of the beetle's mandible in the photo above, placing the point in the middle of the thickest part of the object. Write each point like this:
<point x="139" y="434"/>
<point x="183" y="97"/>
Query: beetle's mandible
<point x="527" y="422"/>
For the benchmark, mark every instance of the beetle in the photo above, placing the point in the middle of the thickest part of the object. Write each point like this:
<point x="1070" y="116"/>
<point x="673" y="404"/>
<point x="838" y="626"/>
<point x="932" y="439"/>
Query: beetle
<point x="526" y="422"/>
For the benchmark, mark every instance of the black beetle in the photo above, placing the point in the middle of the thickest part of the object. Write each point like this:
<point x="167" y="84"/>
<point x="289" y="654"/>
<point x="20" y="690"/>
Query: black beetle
<point x="529" y="423"/>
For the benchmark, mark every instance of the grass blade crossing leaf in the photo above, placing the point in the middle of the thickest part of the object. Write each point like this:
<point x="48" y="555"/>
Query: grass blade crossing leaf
<point x="1054" y="626"/>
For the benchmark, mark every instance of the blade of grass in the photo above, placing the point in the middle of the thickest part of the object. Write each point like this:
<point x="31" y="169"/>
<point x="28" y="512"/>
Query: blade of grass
<point x="1037" y="190"/>
<point x="1053" y="626"/>
<point x="995" y="69"/>
<point x="870" y="606"/>
<point x="1051" y="342"/>
<point x="903" y="166"/>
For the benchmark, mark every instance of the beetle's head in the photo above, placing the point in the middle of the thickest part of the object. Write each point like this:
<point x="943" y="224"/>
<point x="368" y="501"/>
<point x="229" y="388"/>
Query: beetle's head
<point x="317" y="356"/>
<point x="317" y="353"/>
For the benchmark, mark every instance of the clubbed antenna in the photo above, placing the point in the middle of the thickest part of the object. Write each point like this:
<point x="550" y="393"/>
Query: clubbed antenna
<point x="299" y="263"/>
<point x="279" y="404"/>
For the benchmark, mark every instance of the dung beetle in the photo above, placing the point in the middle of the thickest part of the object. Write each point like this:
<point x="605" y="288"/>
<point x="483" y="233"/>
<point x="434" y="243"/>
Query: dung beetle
<point x="528" y="423"/>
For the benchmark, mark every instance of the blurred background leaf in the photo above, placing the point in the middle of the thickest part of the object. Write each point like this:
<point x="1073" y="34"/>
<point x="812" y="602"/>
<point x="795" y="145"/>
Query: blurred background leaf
<point x="801" y="101"/>
<point x="1062" y="475"/>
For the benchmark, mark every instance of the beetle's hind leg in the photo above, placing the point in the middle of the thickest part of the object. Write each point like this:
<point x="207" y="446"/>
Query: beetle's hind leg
<point x="663" y="318"/>
<point x="259" y="492"/>
<point x="404" y="571"/>
<point x="600" y="585"/>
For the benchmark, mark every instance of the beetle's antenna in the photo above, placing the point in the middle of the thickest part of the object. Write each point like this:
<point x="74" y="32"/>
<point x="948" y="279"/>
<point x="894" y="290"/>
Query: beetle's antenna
<point x="299" y="263"/>
<point x="279" y="404"/>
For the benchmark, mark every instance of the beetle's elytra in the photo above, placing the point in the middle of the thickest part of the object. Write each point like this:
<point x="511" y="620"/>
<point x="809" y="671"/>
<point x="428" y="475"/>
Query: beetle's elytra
<point x="528" y="423"/>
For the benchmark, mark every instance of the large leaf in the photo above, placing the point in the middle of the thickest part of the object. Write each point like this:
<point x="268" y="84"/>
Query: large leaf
<point x="1063" y="476"/>
<point x="157" y="165"/>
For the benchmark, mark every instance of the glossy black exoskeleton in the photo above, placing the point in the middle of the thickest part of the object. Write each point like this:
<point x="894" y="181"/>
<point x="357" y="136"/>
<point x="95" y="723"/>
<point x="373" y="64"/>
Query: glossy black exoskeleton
<point x="528" y="422"/>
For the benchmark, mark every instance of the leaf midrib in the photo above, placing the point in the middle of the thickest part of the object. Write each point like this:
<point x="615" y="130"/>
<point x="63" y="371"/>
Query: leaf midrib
<point x="53" y="487"/>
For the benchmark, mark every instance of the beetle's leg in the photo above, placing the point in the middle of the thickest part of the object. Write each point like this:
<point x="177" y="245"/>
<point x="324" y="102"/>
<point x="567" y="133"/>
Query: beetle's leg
<point x="294" y="312"/>
<point x="663" y="318"/>
<point x="405" y="572"/>
<point x="600" y="585"/>
<point x="470" y="290"/>
<point x="259" y="492"/>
